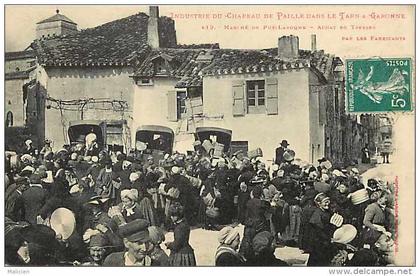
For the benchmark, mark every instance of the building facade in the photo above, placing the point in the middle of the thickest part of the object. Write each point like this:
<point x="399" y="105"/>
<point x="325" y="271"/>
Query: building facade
<point x="86" y="74"/>
<point x="262" y="96"/>
<point x="18" y="68"/>
<point x="132" y="72"/>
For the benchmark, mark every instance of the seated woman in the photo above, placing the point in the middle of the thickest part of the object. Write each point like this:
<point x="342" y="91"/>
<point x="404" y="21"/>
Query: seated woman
<point x="227" y="253"/>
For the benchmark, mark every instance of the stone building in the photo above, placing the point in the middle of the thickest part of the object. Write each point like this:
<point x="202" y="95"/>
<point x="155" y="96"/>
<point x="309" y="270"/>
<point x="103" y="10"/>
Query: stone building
<point x="86" y="74"/>
<point x="263" y="96"/>
<point x="131" y="72"/>
<point x="55" y="25"/>
<point x="18" y="68"/>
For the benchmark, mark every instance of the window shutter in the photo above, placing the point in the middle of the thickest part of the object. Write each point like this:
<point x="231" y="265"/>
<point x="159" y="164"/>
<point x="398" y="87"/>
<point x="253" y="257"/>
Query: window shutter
<point x="272" y="104"/>
<point x="172" y="111"/>
<point x="238" y="98"/>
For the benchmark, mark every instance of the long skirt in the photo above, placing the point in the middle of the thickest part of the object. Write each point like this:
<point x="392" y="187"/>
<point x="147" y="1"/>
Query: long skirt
<point x="146" y="208"/>
<point x="182" y="259"/>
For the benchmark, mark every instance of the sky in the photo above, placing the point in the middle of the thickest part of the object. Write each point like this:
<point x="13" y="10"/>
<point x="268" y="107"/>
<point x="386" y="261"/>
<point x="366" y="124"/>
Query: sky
<point x="272" y="22"/>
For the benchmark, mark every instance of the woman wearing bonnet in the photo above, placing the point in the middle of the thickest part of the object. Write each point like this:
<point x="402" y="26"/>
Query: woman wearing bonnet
<point x="130" y="205"/>
<point x="131" y="208"/>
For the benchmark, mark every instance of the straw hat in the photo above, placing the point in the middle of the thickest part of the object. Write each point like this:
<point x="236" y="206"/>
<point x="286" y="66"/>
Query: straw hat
<point x="345" y="234"/>
<point x="359" y="196"/>
<point x="140" y="146"/>
<point x="289" y="155"/>
<point x="63" y="222"/>
<point x="326" y="164"/>
<point x="338" y="173"/>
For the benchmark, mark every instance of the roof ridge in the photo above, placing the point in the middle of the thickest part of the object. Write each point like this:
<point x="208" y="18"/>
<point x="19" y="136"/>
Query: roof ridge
<point x="114" y="21"/>
<point x="57" y="17"/>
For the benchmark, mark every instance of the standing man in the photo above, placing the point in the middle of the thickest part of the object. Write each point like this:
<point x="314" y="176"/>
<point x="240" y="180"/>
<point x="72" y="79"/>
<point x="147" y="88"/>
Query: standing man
<point x="386" y="149"/>
<point x="280" y="151"/>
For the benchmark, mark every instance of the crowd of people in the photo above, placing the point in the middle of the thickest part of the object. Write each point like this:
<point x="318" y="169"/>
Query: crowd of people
<point x="82" y="205"/>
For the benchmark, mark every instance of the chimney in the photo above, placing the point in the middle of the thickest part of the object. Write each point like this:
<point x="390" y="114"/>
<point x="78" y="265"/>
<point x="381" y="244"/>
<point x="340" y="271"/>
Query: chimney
<point x="313" y="42"/>
<point x="153" y="27"/>
<point x="288" y="46"/>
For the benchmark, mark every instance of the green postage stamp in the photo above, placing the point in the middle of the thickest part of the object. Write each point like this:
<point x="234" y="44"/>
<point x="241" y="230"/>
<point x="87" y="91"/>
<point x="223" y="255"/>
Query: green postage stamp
<point x="378" y="85"/>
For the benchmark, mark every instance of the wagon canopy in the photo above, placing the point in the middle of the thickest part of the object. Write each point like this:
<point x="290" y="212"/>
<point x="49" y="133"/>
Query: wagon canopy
<point x="214" y="134"/>
<point x="156" y="137"/>
<point x="78" y="130"/>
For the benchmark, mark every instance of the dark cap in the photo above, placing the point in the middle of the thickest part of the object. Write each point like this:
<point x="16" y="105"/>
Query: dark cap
<point x="284" y="143"/>
<point x="372" y="236"/>
<point x="98" y="240"/>
<point x="35" y="179"/>
<point x="323" y="159"/>
<point x="41" y="235"/>
<point x="135" y="231"/>
<point x="107" y="161"/>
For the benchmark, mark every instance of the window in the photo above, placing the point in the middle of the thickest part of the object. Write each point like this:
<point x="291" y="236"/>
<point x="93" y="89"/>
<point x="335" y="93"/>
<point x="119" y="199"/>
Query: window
<point x="161" y="67"/>
<point x="239" y="146"/>
<point x="195" y="92"/>
<point x="115" y="136"/>
<point x="145" y="82"/>
<point x="9" y="119"/>
<point x="180" y="104"/>
<point x="255" y="96"/>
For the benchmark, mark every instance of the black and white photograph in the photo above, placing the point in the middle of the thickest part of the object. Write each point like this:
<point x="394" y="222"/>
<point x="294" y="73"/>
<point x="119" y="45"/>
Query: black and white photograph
<point x="209" y="135"/>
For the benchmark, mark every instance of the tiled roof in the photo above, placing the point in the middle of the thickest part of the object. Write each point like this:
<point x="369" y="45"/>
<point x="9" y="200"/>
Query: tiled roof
<point x="190" y="65"/>
<point x="198" y="46"/>
<point x="182" y="62"/>
<point x="320" y="60"/>
<point x="116" y="43"/>
<point x="56" y="17"/>
<point x="227" y="62"/>
<point x="19" y="55"/>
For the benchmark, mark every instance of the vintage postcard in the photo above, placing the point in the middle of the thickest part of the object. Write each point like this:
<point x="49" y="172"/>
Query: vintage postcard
<point x="211" y="135"/>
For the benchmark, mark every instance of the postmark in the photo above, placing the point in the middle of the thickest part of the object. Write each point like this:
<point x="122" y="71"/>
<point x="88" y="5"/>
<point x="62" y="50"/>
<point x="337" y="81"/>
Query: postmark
<point x="379" y="85"/>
